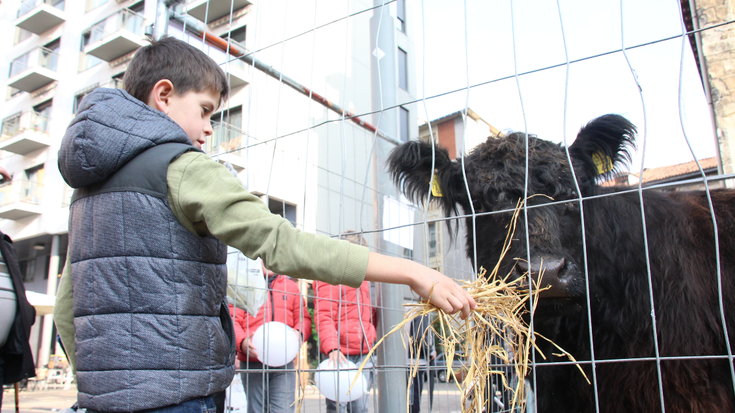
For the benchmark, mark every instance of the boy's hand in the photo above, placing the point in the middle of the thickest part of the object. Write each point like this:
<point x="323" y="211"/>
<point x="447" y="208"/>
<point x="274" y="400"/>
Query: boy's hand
<point x="446" y="293"/>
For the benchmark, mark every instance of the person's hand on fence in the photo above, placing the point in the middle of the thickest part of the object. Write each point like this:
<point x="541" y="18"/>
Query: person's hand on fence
<point x="336" y="356"/>
<point x="440" y="290"/>
<point x="248" y="348"/>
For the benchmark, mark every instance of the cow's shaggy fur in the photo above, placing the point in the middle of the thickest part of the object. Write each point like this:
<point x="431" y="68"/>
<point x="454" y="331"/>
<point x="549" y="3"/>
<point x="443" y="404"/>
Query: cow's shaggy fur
<point x="682" y="260"/>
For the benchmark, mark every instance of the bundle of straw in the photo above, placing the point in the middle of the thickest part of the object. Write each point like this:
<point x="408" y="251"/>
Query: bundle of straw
<point x="496" y="330"/>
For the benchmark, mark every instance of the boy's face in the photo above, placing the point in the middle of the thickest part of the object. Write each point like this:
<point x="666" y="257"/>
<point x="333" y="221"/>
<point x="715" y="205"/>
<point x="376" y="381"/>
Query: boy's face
<point x="192" y="111"/>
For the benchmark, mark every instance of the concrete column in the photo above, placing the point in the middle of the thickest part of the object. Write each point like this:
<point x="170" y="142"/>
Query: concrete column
<point x="48" y="320"/>
<point x="391" y="380"/>
<point x="718" y="49"/>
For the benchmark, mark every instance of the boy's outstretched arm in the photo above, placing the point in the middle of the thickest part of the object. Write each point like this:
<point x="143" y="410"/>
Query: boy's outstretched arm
<point x="447" y="294"/>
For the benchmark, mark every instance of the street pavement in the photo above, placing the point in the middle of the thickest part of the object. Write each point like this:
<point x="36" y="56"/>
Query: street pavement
<point x="446" y="400"/>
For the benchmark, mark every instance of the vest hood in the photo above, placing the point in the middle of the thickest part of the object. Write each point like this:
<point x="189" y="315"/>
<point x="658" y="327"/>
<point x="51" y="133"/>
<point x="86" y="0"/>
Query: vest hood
<point x="111" y="127"/>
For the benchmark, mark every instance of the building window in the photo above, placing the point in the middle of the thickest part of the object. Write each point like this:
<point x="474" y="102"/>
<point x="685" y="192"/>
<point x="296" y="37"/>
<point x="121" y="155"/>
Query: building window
<point x="231" y="117"/>
<point x="227" y="128"/>
<point x="13" y="92"/>
<point x="32" y="187"/>
<point x="51" y="54"/>
<point x="237" y="35"/>
<point x="78" y="100"/>
<point x="432" y="240"/>
<point x="21" y="35"/>
<point x="401" y="5"/>
<point x="28" y="270"/>
<point x="138" y="7"/>
<point x="117" y="81"/>
<point x="87" y="61"/>
<point x="404" y="125"/>
<point x="408" y="253"/>
<point x="402" y="69"/>
<point x="43" y="114"/>
<point x="276" y="206"/>
<point x="93" y="4"/>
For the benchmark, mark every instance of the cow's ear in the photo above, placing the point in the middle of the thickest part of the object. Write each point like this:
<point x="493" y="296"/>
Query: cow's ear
<point x="410" y="166"/>
<point x="602" y="147"/>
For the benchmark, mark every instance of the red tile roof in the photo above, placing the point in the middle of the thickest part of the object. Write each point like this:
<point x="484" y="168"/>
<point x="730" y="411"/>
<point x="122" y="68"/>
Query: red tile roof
<point x="670" y="171"/>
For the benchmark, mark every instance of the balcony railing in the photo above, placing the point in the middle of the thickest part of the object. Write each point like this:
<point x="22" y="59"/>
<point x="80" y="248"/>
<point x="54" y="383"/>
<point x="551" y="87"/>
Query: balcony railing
<point x="38" y="57"/>
<point x="225" y="139"/>
<point x="27" y="5"/>
<point x="31" y="130"/>
<point x="228" y="142"/>
<point x="125" y="19"/>
<point x="22" y="122"/>
<point x="20" y="191"/>
<point x="38" y="16"/>
<point x="34" y="69"/>
<point x="115" y="36"/>
<point x="114" y="84"/>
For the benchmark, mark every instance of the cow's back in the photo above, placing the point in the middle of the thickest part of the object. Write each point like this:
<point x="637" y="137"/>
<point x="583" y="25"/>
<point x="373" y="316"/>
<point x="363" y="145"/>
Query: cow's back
<point x="682" y="262"/>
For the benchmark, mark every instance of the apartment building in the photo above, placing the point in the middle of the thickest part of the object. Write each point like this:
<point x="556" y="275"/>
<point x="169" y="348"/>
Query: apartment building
<point x="314" y="166"/>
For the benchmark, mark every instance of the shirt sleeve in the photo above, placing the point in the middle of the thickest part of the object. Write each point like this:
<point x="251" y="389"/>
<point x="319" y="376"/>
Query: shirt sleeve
<point x="64" y="315"/>
<point x="208" y="200"/>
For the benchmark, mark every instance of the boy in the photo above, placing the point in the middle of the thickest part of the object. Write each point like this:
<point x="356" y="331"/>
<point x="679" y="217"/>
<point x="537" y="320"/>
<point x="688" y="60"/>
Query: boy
<point x="141" y="304"/>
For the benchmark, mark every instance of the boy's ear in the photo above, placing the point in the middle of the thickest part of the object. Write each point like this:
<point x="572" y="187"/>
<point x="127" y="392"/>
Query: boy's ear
<point x="160" y="95"/>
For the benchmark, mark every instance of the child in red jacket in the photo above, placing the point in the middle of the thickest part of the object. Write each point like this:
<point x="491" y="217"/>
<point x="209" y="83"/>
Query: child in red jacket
<point x="264" y="385"/>
<point x="344" y="320"/>
<point x="346" y="324"/>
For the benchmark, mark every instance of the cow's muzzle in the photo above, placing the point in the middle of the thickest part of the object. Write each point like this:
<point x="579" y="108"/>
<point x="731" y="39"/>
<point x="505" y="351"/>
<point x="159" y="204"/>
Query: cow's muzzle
<point x="556" y="274"/>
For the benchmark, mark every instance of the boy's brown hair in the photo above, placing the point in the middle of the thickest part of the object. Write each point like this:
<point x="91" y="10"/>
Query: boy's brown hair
<point x="187" y="67"/>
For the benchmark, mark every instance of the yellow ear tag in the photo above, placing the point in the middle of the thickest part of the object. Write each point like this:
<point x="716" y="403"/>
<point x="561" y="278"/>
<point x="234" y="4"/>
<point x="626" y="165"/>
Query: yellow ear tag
<point x="602" y="162"/>
<point x="436" y="191"/>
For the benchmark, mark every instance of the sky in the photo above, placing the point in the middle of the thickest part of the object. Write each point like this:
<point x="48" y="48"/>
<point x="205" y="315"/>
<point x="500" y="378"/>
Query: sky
<point x="482" y="44"/>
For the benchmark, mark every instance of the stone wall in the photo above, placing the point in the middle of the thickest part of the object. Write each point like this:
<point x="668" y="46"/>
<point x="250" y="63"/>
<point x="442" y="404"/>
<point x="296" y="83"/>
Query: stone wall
<point x="718" y="46"/>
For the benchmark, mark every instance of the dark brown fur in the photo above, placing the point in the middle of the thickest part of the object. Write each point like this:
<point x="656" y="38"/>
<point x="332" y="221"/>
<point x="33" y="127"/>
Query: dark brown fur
<point x="682" y="256"/>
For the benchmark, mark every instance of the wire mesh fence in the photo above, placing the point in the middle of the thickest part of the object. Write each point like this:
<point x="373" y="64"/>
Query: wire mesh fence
<point x="331" y="88"/>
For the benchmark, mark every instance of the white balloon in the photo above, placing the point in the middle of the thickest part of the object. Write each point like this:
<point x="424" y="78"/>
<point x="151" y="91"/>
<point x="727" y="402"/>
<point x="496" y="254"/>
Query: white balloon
<point x="335" y="384"/>
<point x="276" y="343"/>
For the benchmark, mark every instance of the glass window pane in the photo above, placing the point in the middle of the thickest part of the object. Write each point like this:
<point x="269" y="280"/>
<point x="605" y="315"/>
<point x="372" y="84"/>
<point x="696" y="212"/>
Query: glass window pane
<point x="402" y="69"/>
<point x="404" y="125"/>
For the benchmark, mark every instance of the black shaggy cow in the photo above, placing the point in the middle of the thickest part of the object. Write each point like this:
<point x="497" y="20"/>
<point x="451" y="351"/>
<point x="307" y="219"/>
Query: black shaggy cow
<point x="691" y="340"/>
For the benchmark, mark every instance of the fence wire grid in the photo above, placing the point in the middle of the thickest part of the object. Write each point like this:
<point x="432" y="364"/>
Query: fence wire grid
<point x="403" y="66"/>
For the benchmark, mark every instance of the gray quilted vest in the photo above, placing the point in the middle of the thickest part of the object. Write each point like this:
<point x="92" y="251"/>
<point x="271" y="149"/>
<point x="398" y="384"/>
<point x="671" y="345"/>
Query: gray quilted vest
<point x="152" y="325"/>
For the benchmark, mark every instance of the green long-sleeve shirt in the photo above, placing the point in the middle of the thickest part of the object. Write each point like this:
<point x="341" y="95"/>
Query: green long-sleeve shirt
<point x="207" y="200"/>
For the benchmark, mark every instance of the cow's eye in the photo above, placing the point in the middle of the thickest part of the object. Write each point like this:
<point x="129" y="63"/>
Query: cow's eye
<point x="477" y="205"/>
<point x="570" y="208"/>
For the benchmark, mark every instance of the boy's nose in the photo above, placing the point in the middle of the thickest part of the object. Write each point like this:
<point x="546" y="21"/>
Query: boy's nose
<point x="208" y="131"/>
